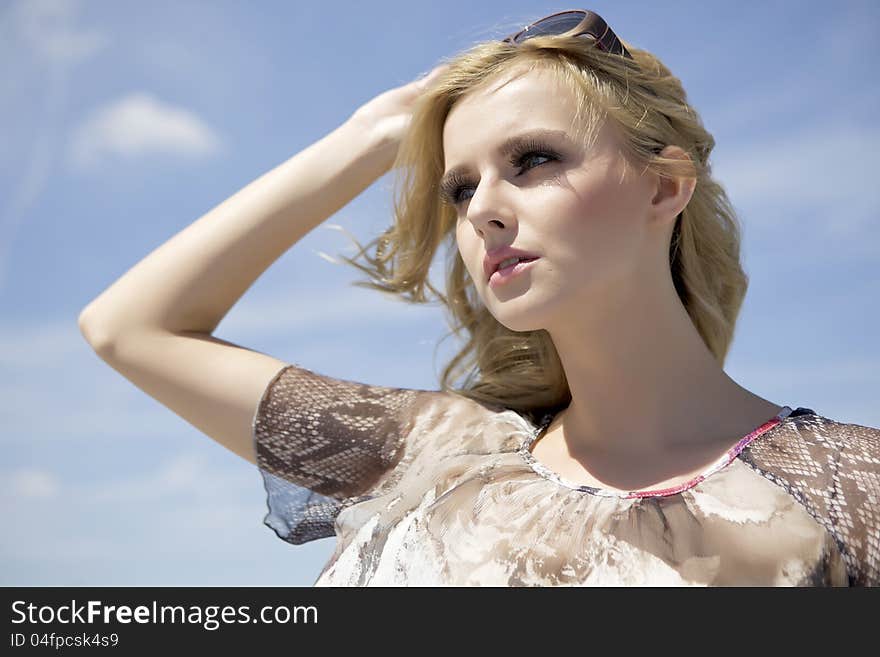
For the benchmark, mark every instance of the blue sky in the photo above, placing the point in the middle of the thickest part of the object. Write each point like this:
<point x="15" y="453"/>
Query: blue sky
<point x="126" y="121"/>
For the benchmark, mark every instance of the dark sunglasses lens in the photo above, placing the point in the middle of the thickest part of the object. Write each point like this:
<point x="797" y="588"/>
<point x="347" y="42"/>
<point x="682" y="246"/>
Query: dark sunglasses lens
<point x="553" y="25"/>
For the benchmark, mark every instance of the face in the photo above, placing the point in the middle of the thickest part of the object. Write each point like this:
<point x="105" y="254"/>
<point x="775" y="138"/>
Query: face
<point x="581" y="210"/>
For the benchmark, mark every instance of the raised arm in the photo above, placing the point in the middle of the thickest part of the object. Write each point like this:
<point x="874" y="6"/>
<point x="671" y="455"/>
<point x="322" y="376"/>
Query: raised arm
<point x="154" y="324"/>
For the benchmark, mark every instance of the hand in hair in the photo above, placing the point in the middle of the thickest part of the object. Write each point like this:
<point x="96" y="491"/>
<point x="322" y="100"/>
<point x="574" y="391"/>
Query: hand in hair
<point x="387" y="116"/>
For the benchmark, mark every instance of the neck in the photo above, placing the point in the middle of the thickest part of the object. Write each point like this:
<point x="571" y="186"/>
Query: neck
<point x="642" y="380"/>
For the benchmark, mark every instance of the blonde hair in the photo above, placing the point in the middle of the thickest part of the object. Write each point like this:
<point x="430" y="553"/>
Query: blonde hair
<point x="648" y="106"/>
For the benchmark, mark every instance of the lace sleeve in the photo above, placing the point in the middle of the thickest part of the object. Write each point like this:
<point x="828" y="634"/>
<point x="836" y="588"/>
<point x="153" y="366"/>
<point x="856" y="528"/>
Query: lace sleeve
<point x="323" y="443"/>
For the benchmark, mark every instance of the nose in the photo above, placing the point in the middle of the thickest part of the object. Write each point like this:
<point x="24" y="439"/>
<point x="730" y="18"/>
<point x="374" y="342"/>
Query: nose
<point x="488" y="209"/>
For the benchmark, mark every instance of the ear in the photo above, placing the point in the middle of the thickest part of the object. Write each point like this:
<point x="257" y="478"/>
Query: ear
<point x="673" y="194"/>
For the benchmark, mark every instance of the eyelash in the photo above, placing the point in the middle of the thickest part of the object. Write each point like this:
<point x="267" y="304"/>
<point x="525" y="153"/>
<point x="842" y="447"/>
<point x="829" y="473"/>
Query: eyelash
<point x="453" y="186"/>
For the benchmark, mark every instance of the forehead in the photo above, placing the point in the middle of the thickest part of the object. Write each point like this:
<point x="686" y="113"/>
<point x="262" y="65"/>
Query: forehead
<point x="513" y="101"/>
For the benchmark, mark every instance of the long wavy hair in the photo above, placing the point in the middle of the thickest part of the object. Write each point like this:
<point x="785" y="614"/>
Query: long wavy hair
<point x="522" y="370"/>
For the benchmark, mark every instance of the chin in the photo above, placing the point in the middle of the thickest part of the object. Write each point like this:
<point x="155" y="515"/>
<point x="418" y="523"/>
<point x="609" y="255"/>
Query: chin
<point x="521" y="326"/>
<point x="517" y="315"/>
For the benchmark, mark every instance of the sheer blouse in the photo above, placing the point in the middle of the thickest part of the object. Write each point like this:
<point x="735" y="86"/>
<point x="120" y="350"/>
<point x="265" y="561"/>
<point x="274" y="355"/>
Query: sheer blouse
<point x="430" y="488"/>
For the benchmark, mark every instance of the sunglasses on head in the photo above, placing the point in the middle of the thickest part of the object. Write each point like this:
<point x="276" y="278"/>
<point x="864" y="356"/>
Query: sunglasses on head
<point x="575" y="22"/>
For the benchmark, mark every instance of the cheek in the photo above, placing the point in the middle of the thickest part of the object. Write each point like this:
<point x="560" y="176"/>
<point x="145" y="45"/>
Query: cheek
<point x="593" y="229"/>
<point x="465" y="247"/>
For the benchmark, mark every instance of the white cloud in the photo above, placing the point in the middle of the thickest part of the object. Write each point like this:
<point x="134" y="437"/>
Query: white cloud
<point x="182" y="497"/>
<point x="184" y="476"/>
<point x="44" y="345"/>
<point x="86" y="419"/>
<point x="48" y="360"/>
<point x="31" y="483"/>
<point x="307" y="309"/>
<point x="823" y="170"/>
<point x="39" y="345"/>
<point x="38" y="41"/>
<point x="845" y="372"/>
<point x="138" y="125"/>
<point x="47" y="29"/>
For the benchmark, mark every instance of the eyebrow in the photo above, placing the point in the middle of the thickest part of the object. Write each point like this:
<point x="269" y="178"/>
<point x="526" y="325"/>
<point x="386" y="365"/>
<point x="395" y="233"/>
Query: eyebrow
<point x="507" y="147"/>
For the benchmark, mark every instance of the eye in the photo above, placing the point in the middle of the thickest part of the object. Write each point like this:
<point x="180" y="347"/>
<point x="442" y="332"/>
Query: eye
<point x="453" y="187"/>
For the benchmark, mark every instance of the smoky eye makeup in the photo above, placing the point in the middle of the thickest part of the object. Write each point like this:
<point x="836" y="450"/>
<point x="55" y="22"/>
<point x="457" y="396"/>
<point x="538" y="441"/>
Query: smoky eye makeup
<point x="524" y="153"/>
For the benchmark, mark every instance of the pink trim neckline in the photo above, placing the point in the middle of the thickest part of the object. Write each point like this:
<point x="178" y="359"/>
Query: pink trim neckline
<point x="725" y="460"/>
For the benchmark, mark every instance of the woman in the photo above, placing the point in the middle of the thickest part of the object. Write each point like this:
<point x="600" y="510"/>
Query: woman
<point x="594" y="267"/>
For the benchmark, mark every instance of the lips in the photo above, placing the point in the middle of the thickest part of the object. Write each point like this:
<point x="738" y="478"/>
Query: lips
<point x="511" y="263"/>
<point x="496" y="256"/>
<point x="506" y="274"/>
